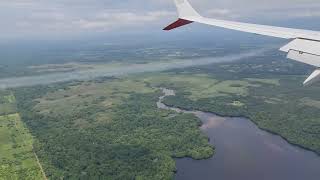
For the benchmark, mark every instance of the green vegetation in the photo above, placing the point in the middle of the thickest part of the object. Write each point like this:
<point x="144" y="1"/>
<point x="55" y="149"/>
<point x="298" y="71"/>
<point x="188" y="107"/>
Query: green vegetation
<point x="271" y="97"/>
<point x="7" y="103"/>
<point x="17" y="160"/>
<point x="108" y="129"/>
<point x="265" y="81"/>
<point x="200" y="86"/>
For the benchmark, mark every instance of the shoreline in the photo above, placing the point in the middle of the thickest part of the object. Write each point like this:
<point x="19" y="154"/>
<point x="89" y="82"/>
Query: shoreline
<point x="263" y="129"/>
<point x="244" y="117"/>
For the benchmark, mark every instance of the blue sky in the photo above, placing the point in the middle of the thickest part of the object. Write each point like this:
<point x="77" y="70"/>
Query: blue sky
<point x="50" y="18"/>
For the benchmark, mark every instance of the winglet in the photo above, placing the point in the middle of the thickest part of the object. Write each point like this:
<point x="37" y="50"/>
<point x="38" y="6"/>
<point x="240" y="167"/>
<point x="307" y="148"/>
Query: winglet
<point x="186" y="14"/>
<point x="185" y="10"/>
<point x="178" y="23"/>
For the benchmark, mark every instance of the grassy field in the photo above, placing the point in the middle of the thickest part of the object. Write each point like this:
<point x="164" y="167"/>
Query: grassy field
<point x="199" y="85"/>
<point x="16" y="151"/>
<point x="69" y="67"/>
<point x="69" y="100"/>
<point x="7" y="103"/>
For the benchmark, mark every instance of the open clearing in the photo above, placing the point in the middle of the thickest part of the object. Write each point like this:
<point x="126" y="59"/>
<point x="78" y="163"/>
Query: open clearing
<point x="203" y="86"/>
<point x="16" y="151"/>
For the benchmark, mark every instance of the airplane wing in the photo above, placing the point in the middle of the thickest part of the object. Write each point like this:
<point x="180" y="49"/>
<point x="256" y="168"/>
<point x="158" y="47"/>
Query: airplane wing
<point x="304" y="46"/>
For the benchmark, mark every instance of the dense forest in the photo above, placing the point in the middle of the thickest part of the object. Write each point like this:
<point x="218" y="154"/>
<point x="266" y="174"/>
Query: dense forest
<point x="108" y="129"/>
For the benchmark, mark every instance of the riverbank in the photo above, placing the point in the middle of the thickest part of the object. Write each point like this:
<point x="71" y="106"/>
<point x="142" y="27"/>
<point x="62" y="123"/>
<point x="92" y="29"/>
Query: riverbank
<point x="246" y="151"/>
<point x="261" y="128"/>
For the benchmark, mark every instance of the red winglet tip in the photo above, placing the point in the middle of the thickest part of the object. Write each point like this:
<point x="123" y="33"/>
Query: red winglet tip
<point x="178" y="23"/>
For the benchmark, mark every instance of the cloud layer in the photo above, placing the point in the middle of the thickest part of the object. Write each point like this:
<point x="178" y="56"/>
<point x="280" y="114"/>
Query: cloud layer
<point x="26" y="17"/>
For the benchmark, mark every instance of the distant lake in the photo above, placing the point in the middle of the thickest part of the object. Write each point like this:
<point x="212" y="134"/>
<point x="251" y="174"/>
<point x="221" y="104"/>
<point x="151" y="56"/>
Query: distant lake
<point x="245" y="152"/>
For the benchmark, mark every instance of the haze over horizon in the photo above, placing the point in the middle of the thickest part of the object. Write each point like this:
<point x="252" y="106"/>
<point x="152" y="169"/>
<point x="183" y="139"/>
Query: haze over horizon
<point x="122" y="70"/>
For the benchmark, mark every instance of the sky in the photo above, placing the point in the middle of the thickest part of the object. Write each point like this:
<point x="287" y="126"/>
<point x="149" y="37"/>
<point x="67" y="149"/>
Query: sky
<point x="59" y="18"/>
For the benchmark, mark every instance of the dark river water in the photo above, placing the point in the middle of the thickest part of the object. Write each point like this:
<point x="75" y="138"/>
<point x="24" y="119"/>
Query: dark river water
<point x="245" y="152"/>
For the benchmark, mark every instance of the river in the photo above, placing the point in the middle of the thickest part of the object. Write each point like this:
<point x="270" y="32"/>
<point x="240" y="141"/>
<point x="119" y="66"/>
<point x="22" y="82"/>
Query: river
<point x="244" y="152"/>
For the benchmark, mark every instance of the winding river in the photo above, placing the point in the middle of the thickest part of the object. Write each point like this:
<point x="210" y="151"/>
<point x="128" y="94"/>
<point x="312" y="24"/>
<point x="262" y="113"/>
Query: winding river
<point x="244" y="152"/>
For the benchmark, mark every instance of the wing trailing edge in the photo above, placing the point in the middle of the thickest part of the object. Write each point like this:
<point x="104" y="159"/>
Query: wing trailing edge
<point x="305" y="51"/>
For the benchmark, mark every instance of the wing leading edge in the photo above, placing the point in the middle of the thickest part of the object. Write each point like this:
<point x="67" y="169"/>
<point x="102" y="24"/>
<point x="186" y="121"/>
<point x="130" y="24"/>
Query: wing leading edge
<point x="304" y="47"/>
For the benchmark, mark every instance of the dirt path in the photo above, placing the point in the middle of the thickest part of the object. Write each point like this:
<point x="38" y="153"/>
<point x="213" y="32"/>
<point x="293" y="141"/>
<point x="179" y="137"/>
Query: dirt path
<point x="42" y="171"/>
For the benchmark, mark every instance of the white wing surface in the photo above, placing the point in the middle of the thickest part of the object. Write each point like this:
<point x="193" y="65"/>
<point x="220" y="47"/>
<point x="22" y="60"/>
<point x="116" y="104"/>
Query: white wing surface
<point x="304" y="47"/>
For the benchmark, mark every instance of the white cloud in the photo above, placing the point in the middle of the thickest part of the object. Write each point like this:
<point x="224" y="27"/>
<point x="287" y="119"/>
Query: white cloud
<point x="222" y="13"/>
<point x="75" y="16"/>
<point x="117" y="19"/>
